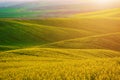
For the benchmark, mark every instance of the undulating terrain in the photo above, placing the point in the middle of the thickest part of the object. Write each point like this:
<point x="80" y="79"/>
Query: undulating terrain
<point x="84" y="46"/>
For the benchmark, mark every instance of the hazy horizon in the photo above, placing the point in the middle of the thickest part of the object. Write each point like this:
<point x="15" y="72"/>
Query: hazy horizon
<point x="101" y="3"/>
<point x="10" y="8"/>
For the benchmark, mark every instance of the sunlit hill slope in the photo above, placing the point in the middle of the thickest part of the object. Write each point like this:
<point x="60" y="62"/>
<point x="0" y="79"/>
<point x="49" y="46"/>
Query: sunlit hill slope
<point x="105" y="41"/>
<point x="44" y="31"/>
<point x="13" y="32"/>
<point x="81" y="47"/>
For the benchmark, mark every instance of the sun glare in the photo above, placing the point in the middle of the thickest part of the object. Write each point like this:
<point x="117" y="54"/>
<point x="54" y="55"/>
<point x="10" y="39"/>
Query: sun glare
<point x="103" y="1"/>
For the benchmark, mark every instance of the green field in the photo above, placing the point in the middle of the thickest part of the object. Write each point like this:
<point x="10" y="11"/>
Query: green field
<point x="82" y="47"/>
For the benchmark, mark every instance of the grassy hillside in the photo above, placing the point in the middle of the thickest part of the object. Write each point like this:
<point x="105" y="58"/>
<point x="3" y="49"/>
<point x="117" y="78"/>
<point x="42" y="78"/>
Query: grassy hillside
<point x="15" y="12"/>
<point x="14" y="33"/>
<point x="96" y="25"/>
<point x="105" y="41"/>
<point x="111" y="13"/>
<point x="61" y="53"/>
<point x="61" y="48"/>
<point x="39" y="63"/>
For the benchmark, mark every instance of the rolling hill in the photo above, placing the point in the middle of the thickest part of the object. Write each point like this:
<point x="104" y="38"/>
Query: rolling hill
<point x="95" y="25"/>
<point x="60" y="53"/>
<point x="105" y="41"/>
<point x="60" y="48"/>
<point x="13" y="32"/>
<point x="37" y="32"/>
<point x="110" y="13"/>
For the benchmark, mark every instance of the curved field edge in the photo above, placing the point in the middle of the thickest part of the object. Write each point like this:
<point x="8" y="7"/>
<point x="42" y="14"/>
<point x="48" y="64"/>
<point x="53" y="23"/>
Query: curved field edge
<point x="106" y="41"/>
<point x="110" y="13"/>
<point x="95" y="25"/>
<point x="16" y="33"/>
<point x="61" y="53"/>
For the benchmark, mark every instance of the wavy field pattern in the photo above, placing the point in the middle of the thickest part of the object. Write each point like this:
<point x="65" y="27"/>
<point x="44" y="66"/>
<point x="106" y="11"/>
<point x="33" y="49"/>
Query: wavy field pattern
<point x="85" y="46"/>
